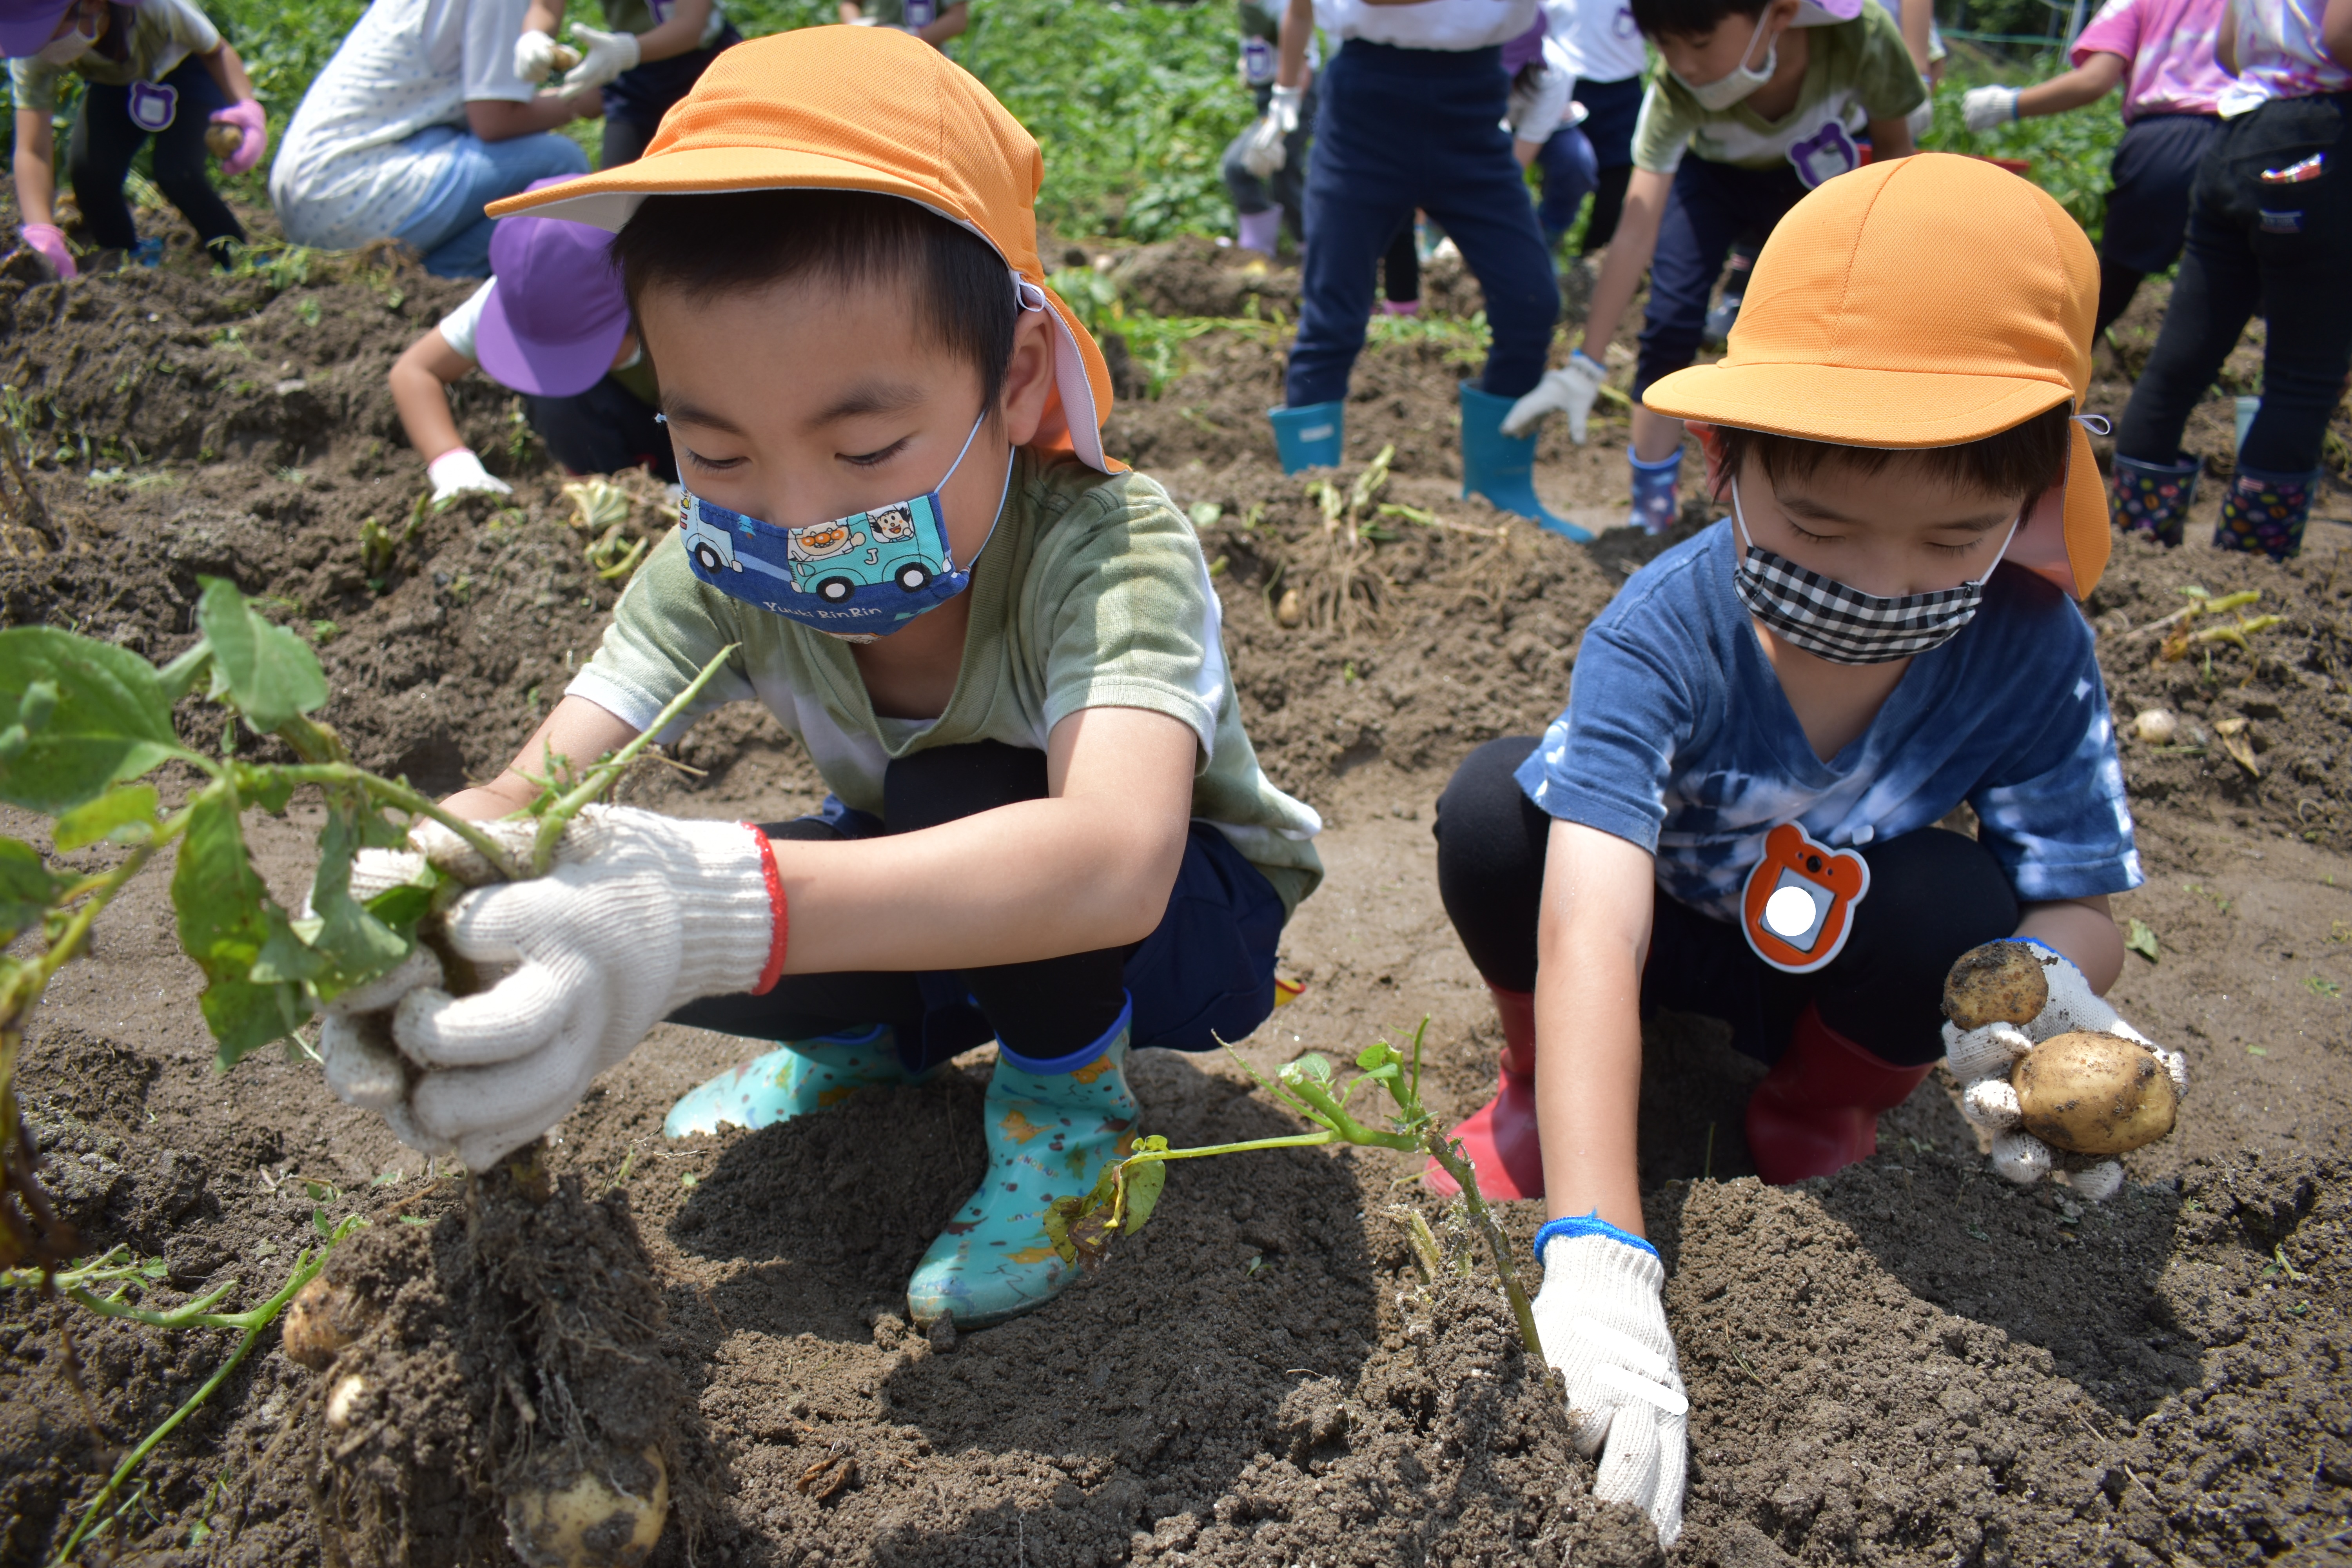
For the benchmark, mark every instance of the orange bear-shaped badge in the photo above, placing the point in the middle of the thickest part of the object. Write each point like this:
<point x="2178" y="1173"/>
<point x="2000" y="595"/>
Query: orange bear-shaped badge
<point x="1798" y="909"/>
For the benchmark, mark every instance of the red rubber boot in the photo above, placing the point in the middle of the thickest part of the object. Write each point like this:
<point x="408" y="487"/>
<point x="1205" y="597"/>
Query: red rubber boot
<point x="1500" y="1136"/>
<point x="1817" y="1111"/>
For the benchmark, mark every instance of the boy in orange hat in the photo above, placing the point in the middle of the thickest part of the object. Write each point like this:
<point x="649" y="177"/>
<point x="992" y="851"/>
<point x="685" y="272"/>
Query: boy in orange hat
<point x="1737" y="814"/>
<point x="1001" y="650"/>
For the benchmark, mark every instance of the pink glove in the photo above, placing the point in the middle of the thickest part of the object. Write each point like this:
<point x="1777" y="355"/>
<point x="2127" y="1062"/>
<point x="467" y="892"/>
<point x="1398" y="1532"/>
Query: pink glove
<point x="50" y="241"/>
<point x="247" y="116"/>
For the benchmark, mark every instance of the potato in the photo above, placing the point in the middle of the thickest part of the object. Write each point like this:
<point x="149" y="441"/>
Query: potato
<point x="2000" y="982"/>
<point x="223" y="141"/>
<point x="320" y="1320"/>
<point x="566" y="57"/>
<point x="2155" y="726"/>
<point x="589" y="1523"/>
<point x="2094" y="1094"/>
<point x="1291" y="610"/>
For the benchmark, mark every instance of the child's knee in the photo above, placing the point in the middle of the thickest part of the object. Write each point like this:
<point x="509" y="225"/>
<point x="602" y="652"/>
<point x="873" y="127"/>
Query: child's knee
<point x="1934" y="894"/>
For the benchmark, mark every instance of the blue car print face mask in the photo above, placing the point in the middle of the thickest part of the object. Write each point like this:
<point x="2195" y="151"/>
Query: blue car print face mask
<point x="857" y="577"/>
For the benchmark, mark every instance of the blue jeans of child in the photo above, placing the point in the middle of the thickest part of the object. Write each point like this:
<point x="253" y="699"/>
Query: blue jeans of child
<point x="1711" y="205"/>
<point x="1400" y="129"/>
<point x="448" y="227"/>
<point x="105" y="139"/>
<point x="1570" y="175"/>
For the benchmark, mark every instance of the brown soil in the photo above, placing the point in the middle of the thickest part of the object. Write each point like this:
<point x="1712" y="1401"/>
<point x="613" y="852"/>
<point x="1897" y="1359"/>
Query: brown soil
<point x="1911" y="1364"/>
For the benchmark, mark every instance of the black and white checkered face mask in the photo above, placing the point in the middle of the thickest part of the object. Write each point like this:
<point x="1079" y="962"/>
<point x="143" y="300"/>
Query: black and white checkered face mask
<point x="1842" y="625"/>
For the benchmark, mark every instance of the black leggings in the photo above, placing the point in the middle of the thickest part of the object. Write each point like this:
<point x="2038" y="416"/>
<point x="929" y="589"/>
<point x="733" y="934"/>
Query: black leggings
<point x="603" y="430"/>
<point x="105" y="139"/>
<point x="1608" y="206"/>
<point x="2283" y="246"/>
<point x="1933" y="896"/>
<point x="1401" y="267"/>
<point x="1045" y="1008"/>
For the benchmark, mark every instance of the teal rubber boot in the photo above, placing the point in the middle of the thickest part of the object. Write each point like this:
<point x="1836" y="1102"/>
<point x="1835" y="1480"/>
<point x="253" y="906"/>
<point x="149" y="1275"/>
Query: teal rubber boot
<point x="1051" y="1127"/>
<point x="1309" y="436"/>
<point x="790" y="1080"/>
<point x="1503" y="467"/>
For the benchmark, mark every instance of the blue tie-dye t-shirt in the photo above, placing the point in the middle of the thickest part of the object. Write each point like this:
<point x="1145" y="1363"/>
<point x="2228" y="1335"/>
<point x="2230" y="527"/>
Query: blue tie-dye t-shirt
<point x="1677" y="738"/>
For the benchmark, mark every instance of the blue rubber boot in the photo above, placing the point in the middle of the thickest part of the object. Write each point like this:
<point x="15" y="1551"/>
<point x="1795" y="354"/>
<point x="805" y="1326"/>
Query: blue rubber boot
<point x="1309" y="437"/>
<point x="1656" y="505"/>
<point x="1051" y="1125"/>
<point x="790" y="1080"/>
<point x="1503" y="467"/>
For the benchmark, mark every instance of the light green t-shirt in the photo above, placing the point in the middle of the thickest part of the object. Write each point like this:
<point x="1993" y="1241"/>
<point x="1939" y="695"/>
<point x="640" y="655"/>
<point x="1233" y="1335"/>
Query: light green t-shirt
<point x="1092" y="592"/>
<point x="162" y="34"/>
<point x="1858" y="71"/>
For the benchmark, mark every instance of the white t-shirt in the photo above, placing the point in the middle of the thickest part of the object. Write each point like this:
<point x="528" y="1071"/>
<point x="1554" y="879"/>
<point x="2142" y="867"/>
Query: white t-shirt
<point x="343" y="176"/>
<point x="2281" y="54"/>
<point x="1592" y="40"/>
<point x="1451" y="26"/>
<point x="458" y="327"/>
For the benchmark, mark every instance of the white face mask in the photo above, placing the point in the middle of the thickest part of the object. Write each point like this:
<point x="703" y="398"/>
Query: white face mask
<point x="1723" y="91"/>
<point x="66" y="47"/>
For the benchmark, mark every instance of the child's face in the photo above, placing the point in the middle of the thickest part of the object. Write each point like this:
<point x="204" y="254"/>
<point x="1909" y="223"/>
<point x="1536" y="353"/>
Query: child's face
<point x="1731" y="43"/>
<point x="806" y="402"/>
<point x="1896" y="532"/>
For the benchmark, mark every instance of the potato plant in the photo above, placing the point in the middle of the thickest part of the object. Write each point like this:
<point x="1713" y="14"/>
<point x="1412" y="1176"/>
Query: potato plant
<point x="1083" y="1228"/>
<point x="88" y="724"/>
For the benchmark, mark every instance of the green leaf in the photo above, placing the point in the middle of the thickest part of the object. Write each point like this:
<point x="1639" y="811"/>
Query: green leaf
<point x="1143" y="1184"/>
<point x="358" y="946"/>
<point x="2141" y="938"/>
<point x="27" y="888"/>
<point x="180" y="676"/>
<point x="88" y="715"/>
<point x="226" y="918"/>
<point x="269" y="673"/>
<point x="266" y="788"/>
<point x="1312" y="1067"/>
<point x="1377" y="1054"/>
<point x="125" y="815"/>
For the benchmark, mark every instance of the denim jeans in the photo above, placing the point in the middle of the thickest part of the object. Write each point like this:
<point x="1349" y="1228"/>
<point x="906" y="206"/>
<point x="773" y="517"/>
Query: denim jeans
<point x="1710" y="207"/>
<point x="448" y="227"/>
<point x="105" y="139"/>
<point x="1570" y="175"/>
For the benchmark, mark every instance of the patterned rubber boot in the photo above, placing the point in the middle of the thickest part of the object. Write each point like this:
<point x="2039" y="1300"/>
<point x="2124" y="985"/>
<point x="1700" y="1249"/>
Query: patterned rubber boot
<point x="2153" y="499"/>
<point x="2265" y="513"/>
<point x="1500" y="1135"/>
<point x="790" y="1080"/>
<point x="1656" y="505"/>
<point x="1816" y="1112"/>
<point x="1051" y="1127"/>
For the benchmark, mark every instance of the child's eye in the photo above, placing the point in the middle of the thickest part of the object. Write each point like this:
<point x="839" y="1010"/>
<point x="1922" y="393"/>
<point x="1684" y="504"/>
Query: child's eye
<point x="875" y="458"/>
<point x="712" y="465"/>
<point x="1953" y="549"/>
<point x="1810" y="538"/>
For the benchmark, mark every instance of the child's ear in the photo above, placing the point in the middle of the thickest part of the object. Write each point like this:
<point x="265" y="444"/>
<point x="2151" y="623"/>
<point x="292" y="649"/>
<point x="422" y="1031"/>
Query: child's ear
<point x="1711" y="443"/>
<point x="1028" y="376"/>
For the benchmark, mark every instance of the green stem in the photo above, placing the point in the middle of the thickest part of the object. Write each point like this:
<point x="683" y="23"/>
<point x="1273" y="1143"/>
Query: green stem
<point x="305" y="1268"/>
<point x="600" y="778"/>
<point x="1440" y="1147"/>
<point x="1299" y="1141"/>
<point x="1328" y="1110"/>
<point x="186" y="1315"/>
<point x="409" y="801"/>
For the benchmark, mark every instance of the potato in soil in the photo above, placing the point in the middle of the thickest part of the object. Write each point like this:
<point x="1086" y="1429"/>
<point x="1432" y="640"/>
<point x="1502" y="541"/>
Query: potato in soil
<point x="2000" y="982"/>
<point x="2092" y="1093"/>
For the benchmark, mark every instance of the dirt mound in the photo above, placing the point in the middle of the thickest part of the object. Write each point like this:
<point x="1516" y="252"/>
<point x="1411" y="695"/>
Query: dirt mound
<point x="1195" y="275"/>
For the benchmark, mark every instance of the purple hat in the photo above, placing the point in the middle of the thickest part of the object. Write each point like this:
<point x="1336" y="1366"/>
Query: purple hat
<point x="558" y="315"/>
<point x="1526" y="47"/>
<point x="27" y="26"/>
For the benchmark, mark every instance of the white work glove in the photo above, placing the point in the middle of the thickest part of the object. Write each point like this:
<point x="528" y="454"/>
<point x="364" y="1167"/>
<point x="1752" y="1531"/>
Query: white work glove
<point x="1539" y="104"/>
<point x="609" y="53"/>
<point x="1604" y="1325"/>
<point x="1261" y="150"/>
<point x="1984" y="108"/>
<point x="457" y="472"/>
<point x="1982" y="1060"/>
<point x="642" y="914"/>
<point x="534" y="56"/>
<point x="1568" y="390"/>
<point x="1923" y="119"/>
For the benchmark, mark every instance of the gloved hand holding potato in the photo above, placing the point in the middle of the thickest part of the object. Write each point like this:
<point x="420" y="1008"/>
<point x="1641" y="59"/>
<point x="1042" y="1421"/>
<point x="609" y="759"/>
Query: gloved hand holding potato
<point x="2053" y="1072"/>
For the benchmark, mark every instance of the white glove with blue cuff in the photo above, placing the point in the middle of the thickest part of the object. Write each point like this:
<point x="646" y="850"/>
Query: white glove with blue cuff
<point x="1601" y="1316"/>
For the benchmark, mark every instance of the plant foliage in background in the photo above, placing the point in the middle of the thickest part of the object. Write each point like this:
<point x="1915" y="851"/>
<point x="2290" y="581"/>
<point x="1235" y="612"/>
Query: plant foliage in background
<point x="2070" y="152"/>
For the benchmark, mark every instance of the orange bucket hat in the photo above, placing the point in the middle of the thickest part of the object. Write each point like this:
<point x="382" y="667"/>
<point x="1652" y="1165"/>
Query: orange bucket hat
<point x="860" y="109"/>
<point x="1925" y="302"/>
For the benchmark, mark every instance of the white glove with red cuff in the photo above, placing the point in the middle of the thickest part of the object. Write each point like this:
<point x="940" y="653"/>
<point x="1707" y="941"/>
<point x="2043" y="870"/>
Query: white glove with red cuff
<point x="1983" y="1060"/>
<point x="457" y="472"/>
<point x="1601" y="1316"/>
<point x="642" y="914"/>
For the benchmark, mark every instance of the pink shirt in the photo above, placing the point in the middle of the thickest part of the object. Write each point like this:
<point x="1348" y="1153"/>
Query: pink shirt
<point x="2170" y="43"/>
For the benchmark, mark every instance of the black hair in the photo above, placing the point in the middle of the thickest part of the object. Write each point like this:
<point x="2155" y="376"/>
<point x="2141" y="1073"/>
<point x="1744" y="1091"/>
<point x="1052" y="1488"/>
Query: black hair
<point x="2022" y="460"/>
<point x="1690" y="18"/>
<point x="959" y="291"/>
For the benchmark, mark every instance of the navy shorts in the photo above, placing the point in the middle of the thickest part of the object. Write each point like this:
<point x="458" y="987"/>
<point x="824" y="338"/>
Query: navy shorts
<point x="2147" y="211"/>
<point x="1611" y="110"/>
